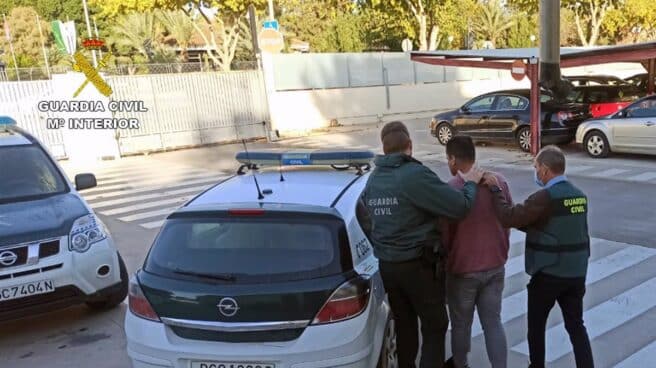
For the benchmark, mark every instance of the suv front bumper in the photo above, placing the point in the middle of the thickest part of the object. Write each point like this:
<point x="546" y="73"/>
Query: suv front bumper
<point x="75" y="276"/>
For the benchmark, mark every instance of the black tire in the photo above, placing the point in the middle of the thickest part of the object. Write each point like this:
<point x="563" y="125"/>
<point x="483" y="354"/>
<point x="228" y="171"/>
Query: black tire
<point x="523" y="138"/>
<point x="388" y="357"/>
<point x="596" y="145"/>
<point x="444" y="132"/>
<point x="112" y="300"/>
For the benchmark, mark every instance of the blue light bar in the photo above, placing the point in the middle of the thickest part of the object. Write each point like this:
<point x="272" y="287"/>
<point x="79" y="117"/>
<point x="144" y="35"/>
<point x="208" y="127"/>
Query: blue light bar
<point x="306" y="157"/>
<point x="6" y="120"/>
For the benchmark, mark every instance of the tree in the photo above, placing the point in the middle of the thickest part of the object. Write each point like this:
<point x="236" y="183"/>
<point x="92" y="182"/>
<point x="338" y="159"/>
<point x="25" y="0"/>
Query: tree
<point x="634" y="22"/>
<point x="179" y="27"/>
<point x="25" y="37"/>
<point x="136" y="32"/>
<point x="524" y="26"/>
<point x="492" y="21"/>
<point x="589" y="16"/>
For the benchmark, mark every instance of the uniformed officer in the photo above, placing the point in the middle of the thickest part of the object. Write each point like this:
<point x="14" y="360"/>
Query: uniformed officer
<point x="404" y="200"/>
<point x="557" y="252"/>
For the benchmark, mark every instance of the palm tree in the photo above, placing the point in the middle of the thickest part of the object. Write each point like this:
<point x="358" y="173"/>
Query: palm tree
<point x="138" y="31"/>
<point x="492" y="21"/>
<point x="179" y="27"/>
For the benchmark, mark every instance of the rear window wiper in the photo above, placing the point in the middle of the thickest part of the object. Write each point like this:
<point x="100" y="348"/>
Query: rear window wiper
<point x="213" y="276"/>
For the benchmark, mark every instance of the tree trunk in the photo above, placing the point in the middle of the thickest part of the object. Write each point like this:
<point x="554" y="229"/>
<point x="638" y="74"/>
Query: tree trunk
<point x="423" y="33"/>
<point x="433" y="38"/>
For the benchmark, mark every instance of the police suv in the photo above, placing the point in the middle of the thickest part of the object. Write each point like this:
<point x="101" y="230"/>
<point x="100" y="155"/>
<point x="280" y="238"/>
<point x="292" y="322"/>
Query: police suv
<point x="54" y="251"/>
<point x="268" y="269"/>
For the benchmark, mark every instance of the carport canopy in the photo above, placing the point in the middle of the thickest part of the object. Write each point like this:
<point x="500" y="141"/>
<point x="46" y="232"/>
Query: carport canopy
<point x="643" y="53"/>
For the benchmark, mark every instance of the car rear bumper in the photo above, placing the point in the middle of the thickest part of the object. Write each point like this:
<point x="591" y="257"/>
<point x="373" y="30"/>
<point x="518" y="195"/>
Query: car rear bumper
<point x="354" y="343"/>
<point x="75" y="277"/>
<point x="558" y="135"/>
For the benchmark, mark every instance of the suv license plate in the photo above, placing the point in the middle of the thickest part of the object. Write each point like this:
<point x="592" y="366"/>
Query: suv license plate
<point x="231" y="365"/>
<point x="24" y="290"/>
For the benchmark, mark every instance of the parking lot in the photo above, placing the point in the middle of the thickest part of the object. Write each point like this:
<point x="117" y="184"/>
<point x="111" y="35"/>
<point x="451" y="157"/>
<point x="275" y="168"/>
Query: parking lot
<point x="135" y="194"/>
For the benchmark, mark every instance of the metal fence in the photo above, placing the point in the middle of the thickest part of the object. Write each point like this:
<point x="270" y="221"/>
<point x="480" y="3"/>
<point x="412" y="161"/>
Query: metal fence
<point x="41" y="73"/>
<point x="191" y="109"/>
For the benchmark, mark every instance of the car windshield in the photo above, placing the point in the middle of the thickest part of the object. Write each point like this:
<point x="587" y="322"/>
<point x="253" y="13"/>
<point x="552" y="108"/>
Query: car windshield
<point x="247" y="249"/>
<point x="28" y="173"/>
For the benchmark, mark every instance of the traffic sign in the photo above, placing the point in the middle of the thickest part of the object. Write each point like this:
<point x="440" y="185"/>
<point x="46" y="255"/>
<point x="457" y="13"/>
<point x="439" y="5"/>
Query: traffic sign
<point x="518" y="70"/>
<point x="270" y="24"/>
<point x="271" y="41"/>
<point x="406" y="45"/>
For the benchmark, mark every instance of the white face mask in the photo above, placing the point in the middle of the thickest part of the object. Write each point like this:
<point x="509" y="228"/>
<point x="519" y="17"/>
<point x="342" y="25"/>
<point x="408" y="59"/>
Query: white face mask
<point x="537" y="179"/>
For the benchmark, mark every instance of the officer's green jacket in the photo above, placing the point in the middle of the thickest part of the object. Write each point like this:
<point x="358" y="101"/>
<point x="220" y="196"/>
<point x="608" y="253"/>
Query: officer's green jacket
<point x="556" y="225"/>
<point x="404" y="200"/>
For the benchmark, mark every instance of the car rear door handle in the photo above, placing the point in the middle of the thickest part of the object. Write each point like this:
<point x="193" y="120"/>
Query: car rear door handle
<point x="649" y="123"/>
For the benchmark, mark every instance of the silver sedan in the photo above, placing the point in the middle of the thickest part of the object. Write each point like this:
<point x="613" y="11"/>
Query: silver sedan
<point x="630" y="130"/>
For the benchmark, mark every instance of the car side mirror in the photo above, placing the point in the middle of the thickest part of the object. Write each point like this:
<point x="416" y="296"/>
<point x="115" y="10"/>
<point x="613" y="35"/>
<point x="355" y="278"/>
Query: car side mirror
<point x="85" y="181"/>
<point x="464" y="109"/>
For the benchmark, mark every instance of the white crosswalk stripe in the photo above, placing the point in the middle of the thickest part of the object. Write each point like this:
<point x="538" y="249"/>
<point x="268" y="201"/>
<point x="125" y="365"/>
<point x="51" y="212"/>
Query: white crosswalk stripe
<point x="638" y="359"/>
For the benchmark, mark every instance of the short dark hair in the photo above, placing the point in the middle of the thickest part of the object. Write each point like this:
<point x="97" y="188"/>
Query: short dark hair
<point x="462" y="148"/>
<point x="553" y="158"/>
<point x="395" y="137"/>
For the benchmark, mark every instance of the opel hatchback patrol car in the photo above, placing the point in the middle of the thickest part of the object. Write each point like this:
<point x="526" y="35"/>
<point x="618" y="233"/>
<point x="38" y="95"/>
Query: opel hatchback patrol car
<point x="54" y="251"/>
<point x="268" y="269"/>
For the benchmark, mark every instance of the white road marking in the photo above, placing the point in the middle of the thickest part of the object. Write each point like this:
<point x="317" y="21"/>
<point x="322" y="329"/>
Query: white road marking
<point x="516" y="236"/>
<point x="146" y="205"/>
<point x="114" y="202"/>
<point x="151" y="214"/>
<point x="515" y="265"/>
<point x="577" y="169"/>
<point x="608" y="172"/>
<point x="514" y="305"/>
<point x="601" y="319"/>
<point x="154" y="180"/>
<point x="643" y="177"/>
<point x="152" y="225"/>
<point x="149" y="173"/>
<point x="638" y="359"/>
<point x="206" y="181"/>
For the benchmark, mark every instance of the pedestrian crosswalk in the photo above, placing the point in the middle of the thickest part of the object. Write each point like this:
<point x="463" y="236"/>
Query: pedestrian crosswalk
<point x="621" y="288"/>
<point x="145" y="193"/>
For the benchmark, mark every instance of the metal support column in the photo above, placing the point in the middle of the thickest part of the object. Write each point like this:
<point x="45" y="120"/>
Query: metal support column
<point x="534" y="75"/>
<point x="651" y="73"/>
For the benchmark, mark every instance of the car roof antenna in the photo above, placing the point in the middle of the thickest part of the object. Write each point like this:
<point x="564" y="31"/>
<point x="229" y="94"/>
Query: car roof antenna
<point x="280" y="171"/>
<point x="257" y="185"/>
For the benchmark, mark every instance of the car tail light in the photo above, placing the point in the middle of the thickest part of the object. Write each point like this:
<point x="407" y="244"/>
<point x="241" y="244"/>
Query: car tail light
<point x="564" y="115"/>
<point x="246" y="212"/>
<point x="348" y="301"/>
<point x="139" y="305"/>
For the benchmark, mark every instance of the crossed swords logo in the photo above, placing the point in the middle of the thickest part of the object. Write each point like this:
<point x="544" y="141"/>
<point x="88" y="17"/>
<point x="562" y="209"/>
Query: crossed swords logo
<point x="91" y="73"/>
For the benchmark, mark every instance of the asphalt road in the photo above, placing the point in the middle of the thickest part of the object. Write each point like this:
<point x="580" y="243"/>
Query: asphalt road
<point x="620" y="210"/>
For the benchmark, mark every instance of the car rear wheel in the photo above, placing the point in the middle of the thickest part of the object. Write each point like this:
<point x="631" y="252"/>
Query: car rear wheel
<point x="444" y="133"/>
<point x="596" y="145"/>
<point x="523" y="138"/>
<point x="388" y="358"/>
<point x="118" y="295"/>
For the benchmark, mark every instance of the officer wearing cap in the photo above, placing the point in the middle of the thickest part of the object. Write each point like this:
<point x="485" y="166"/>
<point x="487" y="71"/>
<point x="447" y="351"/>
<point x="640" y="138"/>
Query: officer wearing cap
<point x="404" y="199"/>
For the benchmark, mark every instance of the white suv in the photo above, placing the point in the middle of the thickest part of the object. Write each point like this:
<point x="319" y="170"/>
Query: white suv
<point x="276" y="273"/>
<point x="54" y="251"/>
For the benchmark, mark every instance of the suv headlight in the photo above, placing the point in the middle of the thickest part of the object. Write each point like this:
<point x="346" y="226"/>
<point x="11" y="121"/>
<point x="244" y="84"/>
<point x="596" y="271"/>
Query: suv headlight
<point x="86" y="231"/>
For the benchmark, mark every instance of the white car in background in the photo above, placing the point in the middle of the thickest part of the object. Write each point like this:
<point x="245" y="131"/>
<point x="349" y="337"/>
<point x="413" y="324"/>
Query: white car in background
<point x="630" y="130"/>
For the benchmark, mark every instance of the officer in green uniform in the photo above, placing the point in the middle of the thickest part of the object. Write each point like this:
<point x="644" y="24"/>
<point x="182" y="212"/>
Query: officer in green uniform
<point x="404" y="200"/>
<point x="557" y="252"/>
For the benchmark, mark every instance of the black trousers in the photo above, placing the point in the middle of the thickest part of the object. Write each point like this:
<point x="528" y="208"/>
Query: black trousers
<point x="543" y="292"/>
<point x="414" y="290"/>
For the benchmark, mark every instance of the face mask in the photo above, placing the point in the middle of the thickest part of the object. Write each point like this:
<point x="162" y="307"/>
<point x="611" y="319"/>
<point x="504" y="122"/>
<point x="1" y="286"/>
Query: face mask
<point x="537" y="179"/>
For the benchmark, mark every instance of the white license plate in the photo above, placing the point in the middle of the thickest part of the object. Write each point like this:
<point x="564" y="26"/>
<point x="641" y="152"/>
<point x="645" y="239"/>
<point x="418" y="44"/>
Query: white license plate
<point x="21" y="291"/>
<point x="231" y="365"/>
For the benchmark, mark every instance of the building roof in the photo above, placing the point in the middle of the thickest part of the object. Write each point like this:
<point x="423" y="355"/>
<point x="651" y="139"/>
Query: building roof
<point x="570" y="56"/>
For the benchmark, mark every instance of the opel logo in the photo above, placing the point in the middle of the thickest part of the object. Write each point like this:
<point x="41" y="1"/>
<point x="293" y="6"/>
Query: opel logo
<point x="8" y="258"/>
<point x="228" y="307"/>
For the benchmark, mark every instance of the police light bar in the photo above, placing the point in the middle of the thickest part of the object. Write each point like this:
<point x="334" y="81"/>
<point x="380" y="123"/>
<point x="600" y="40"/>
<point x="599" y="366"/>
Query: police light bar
<point x="6" y="120"/>
<point x="306" y="157"/>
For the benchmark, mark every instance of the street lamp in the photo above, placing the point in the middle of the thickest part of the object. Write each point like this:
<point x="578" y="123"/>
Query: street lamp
<point x="532" y="38"/>
<point x="450" y="40"/>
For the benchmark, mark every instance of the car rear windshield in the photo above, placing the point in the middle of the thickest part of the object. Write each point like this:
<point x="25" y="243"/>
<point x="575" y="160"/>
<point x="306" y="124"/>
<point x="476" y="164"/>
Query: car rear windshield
<point x="251" y="249"/>
<point x="28" y="173"/>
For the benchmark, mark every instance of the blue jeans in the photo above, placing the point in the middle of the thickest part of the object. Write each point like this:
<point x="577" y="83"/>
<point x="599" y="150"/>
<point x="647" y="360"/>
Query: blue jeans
<point x="483" y="291"/>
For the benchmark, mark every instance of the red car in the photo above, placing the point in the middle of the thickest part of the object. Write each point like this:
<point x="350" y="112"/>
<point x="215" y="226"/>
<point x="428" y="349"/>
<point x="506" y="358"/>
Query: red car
<point x="605" y="99"/>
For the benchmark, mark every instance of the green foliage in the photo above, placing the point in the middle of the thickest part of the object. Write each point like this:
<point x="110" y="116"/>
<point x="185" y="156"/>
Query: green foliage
<point x="25" y="37"/>
<point x="491" y="23"/>
<point x="179" y="29"/>
<point x="137" y="32"/>
<point x="634" y="21"/>
<point x="519" y="35"/>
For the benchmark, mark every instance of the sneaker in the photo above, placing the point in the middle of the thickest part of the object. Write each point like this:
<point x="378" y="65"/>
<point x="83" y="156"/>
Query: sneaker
<point x="449" y="364"/>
